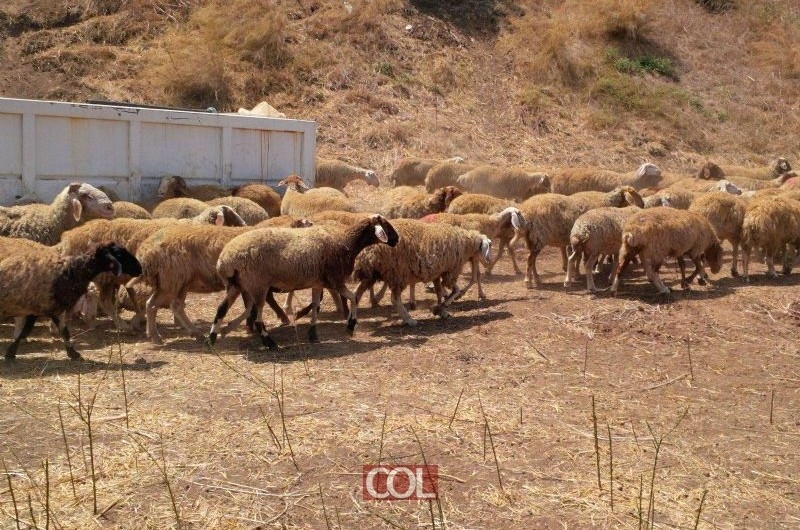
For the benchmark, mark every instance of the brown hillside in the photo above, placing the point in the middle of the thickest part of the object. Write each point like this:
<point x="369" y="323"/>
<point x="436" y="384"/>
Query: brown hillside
<point x="612" y="82"/>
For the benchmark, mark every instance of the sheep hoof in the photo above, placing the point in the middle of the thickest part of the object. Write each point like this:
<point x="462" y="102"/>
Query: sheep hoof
<point x="10" y="358"/>
<point x="734" y="273"/>
<point x="211" y="339"/>
<point x="429" y="288"/>
<point x="411" y="323"/>
<point x="267" y="341"/>
<point x="412" y="306"/>
<point x="156" y="339"/>
<point x="312" y="335"/>
<point x="73" y="354"/>
<point x="772" y="274"/>
<point x="351" y="326"/>
<point x="786" y="270"/>
<point x="702" y="281"/>
<point x="684" y="285"/>
<point x="528" y="284"/>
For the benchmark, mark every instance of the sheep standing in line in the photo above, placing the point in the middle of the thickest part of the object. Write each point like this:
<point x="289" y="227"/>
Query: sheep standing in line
<point x="43" y="283"/>
<point x="548" y="222"/>
<point x="427" y="252"/>
<point x="336" y="174"/>
<point x="771" y="224"/>
<point x="413" y="170"/>
<point x="285" y="221"/>
<point x="300" y="201"/>
<point x="659" y="233"/>
<point x="44" y="223"/>
<point x="712" y="171"/>
<point x="672" y="197"/>
<point x="596" y="233"/>
<point x="175" y="186"/>
<point x="478" y="203"/>
<point x="129" y="210"/>
<point x="413" y="203"/>
<point x="508" y="183"/>
<point x="619" y="197"/>
<point x="499" y="227"/>
<point x="572" y="180"/>
<point x="262" y="195"/>
<point x="725" y="212"/>
<point x="446" y="174"/>
<point x="186" y="208"/>
<point x="250" y="212"/>
<point x="283" y="259"/>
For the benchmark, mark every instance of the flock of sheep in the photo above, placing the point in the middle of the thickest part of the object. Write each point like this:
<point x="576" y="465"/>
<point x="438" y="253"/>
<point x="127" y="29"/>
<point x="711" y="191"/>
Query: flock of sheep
<point x="87" y="249"/>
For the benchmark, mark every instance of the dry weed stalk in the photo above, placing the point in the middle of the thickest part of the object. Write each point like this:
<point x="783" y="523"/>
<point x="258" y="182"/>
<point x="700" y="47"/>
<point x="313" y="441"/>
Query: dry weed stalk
<point x="488" y="430"/>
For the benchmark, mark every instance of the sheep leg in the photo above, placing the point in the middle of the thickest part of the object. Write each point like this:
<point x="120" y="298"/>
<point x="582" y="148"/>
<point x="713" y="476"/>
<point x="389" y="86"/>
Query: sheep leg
<point x="178" y="308"/>
<point x="256" y="319"/>
<point x="500" y="250"/>
<point x="362" y="287"/>
<point x="441" y="308"/>
<point x="400" y="308"/>
<point x="476" y="277"/>
<point x="570" y="277"/>
<point x="771" y="266"/>
<point x="61" y="324"/>
<point x="352" y="317"/>
<point x="512" y="253"/>
<point x="307" y="309"/>
<point x="273" y="304"/>
<point x="626" y="259"/>
<point x="374" y="298"/>
<point x="222" y="310"/>
<point x="412" y="298"/>
<point x="156" y="300"/>
<point x="563" y="258"/>
<point x="287" y="305"/>
<point x="591" y="262"/>
<point x="531" y="275"/>
<point x="746" y="262"/>
<point x="107" y="301"/>
<point x="316" y="296"/>
<point x="339" y="301"/>
<point x="652" y="275"/>
<point x="682" y="267"/>
<point x="735" y="258"/>
<point x="24" y="331"/>
<point x="699" y="271"/>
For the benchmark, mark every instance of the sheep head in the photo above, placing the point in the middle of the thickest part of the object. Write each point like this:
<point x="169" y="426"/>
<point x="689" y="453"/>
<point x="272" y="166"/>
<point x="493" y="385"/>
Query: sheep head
<point x="782" y="166"/>
<point x="117" y="260"/>
<point x="371" y="178"/>
<point x="171" y="187"/>
<point x="514" y="215"/>
<point x="455" y="160"/>
<point x="710" y="171"/>
<point x="647" y="176"/>
<point x="630" y="195"/>
<point x="450" y="193"/>
<point x="294" y="182"/>
<point x="383" y="231"/>
<point x="540" y="183"/>
<point x="86" y="200"/>
<point x="713" y="257"/>
<point x="728" y="187"/>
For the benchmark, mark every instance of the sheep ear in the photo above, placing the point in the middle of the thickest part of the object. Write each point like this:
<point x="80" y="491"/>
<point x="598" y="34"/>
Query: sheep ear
<point x="380" y="233"/>
<point x="219" y="220"/>
<point x="115" y="266"/>
<point x="77" y="209"/>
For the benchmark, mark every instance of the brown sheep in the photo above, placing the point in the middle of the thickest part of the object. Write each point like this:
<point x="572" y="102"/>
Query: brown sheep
<point x="175" y="186"/>
<point x="413" y="203"/>
<point x="412" y="171"/>
<point x="129" y="210"/>
<point x="446" y="174"/>
<point x="508" y="183"/>
<point x="336" y="174"/>
<point x="659" y="233"/>
<point x="478" y="203"/>
<point x="262" y="195"/>
<point x="725" y="212"/>
<point x="770" y="225"/>
<point x="619" y="197"/>
<point x="572" y="180"/>
<point x="712" y="171"/>
<point x="300" y="201"/>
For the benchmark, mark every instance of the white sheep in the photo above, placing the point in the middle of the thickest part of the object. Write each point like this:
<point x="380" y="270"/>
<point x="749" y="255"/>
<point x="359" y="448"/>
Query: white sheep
<point x="725" y="212"/>
<point x="413" y="203"/>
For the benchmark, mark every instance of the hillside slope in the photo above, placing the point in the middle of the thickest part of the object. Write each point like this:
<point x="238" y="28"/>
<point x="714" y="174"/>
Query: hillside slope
<point x="612" y="82"/>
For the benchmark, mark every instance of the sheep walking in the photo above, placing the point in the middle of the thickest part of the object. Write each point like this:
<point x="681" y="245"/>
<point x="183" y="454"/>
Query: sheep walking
<point x="427" y="252"/>
<point x="405" y="202"/>
<point x="445" y="174"/>
<point x="659" y="233"/>
<point x="572" y="180"/>
<point x="619" y="197"/>
<point x="262" y="195"/>
<point x="336" y="174"/>
<point x="42" y="283"/>
<point x="596" y="233"/>
<point x="250" y="212"/>
<point x="725" y="212"/>
<point x="499" y="227"/>
<point x="770" y="225"/>
<point x="507" y="183"/>
<point x="548" y="222"/>
<point x="712" y="171"/>
<point x="44" y="223"/>
<point x="282" y="259"/>
<point x="478" y="203"/>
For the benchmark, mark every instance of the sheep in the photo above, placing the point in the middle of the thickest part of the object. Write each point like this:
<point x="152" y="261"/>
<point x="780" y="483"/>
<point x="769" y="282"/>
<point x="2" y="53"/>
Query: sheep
<point x="412" y="171"/>
<point x="262" y="195"/>
<point x="175" y="186"/>
<point x="130" y="233"/>
<point x="770" y="224"/>
<point x="27" y="198"/>
<point x="285" y="221"/>
<point x="596" y="233"/>
<point x="186" y="208"/>
<point x="507" y="183"/>
<point x="658" y="233"/>
<point x="747" y="183"/>
<point x="336" y="174"/>
<point x="335" y="216"/>
<point x="478" y="203"/>
<point x="572" y="180"/>
<point x="41" y="282"/>
<point x="129" y="210"/>
<point x="250" y="212"/>
<point x="283" y="259"/>
<point x="619" y="197"/>
<point x="499" y="227"/>
<point x="548" y="221"/>
<point x="413" y="203"/>
<point x="426" y="252"/>
<point x="301" y="201"/>
<point x="445" y="174"/>
<point x="713" y="171"/>
<point x="672" y="197"/>
<point x="725" y="212"/>
<point x="44" y="223"/>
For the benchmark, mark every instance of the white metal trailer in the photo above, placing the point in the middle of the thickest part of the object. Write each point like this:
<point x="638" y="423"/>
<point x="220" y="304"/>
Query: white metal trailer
<point x="44" y="145"/>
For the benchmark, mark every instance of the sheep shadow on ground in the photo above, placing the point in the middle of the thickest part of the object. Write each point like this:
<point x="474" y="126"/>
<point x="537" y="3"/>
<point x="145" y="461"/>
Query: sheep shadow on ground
<point x="475" y="18"/>
<point x="431" y="326"/>
<point x="36" y="366"/>
<point x="300" y="351"/>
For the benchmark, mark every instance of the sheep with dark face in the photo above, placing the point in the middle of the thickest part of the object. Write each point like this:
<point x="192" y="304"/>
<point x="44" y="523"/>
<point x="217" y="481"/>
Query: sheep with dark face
<point x="41" y="283"/>
<point x="44" y="223"/>
<point x="285" y="259"/>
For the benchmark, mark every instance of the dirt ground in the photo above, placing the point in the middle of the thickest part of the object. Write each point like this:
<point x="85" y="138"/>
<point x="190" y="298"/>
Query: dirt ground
<point x="714" y="376"/>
